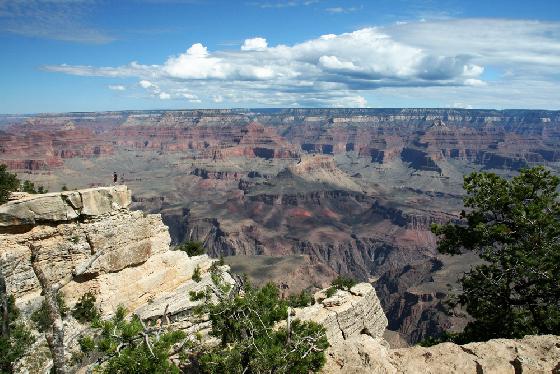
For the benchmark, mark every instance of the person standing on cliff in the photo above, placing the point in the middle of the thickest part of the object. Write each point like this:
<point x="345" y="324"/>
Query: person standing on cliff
<point x="115" y="177"/>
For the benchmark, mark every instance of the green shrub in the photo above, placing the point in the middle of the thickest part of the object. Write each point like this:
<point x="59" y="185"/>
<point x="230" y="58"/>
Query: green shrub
<point x="191" y="248"/>
<point x="126" y="348"/>
<point x="29" y="187"/>
<point x="40" y="316"/>
<point x="8" y="183"/>
<point x="87" y="344"/>
<point x="196" y="274"/>
<point x="15" y="340"/>
<point x="249" y="325"/>
<point x="195" y="296"/>
<point x="343" y="283"/>
<point x="301" y="300"/>
<point x="330" y="291"/>
<point x="340" y="283"/>
<point x="251" y="340"/>
<point x="85" y="309"/>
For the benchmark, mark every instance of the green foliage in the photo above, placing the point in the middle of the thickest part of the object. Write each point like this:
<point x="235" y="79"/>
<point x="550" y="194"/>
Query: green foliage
<point x="85" y="309"/>
<point x="87" y="344"/>
<point x="340" y="283"/>
<point x="196" y="274"/>
<point x="514" y="225"/>
<point x="128" y="347"/>
<point x="343" y="283"/>
<point x="330" y="291"/>
<point x="445" y="337"/>
<point x="15" y="340"/>
<point x="301" y="300"/>
<point x="249" y="323"/>
<point x="29" y="187"/>
<point x="191" y="248"/>
<point x="195" y="296"/>
<point x="40" y="316"/>
<point x="8" y="183"/>
<point x="64" y="188"/>
<point x="253" y="342"/>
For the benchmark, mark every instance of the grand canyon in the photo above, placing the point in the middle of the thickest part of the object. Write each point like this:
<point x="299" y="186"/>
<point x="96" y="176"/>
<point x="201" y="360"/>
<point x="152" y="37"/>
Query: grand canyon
<point x="298" y="196"/>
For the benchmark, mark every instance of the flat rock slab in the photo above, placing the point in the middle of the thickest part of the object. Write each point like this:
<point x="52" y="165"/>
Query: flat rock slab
<point x="63" y="206"/>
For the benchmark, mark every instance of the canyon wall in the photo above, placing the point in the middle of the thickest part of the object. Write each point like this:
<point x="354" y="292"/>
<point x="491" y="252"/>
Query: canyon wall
<point x="353" y="191"/>
<point x="89" y="241"/>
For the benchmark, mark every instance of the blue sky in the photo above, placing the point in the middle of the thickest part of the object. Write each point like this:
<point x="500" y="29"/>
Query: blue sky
<point x="92" y="55"/>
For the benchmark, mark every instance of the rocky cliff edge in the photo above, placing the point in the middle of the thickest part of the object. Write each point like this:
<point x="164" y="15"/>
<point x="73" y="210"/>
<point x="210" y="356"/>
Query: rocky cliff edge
<point x="88" y="241"/>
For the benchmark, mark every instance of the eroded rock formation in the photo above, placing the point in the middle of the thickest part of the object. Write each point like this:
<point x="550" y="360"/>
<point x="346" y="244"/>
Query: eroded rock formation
<point x="353" y="190"/>
<point x="88" y="241"/>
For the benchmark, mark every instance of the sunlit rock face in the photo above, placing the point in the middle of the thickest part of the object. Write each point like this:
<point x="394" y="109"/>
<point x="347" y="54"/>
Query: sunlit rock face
<point x="89" y="241"/>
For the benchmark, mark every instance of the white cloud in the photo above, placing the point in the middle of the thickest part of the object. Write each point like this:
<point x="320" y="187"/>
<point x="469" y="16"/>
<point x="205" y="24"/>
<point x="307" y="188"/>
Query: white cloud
<point x="195" y="63"/>
<point x="254" y="44"/>
<point x="164" y="96"/>
<point x="343" y="68"/>
<point x="117" y="87"/>
<point x="146" y="84"/>
<point x="339" y="10"/>
<point x="474" y="82"/>
<point x="461" y="106"/>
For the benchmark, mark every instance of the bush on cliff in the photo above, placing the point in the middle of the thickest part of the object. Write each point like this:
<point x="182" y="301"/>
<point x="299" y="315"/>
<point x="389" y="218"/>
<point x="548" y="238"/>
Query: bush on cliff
<point x="8" y="183"/>
<point x="15" y="338"/>
<point x="128" y="346"/>
<point x="340" y="283"/>
<point x="248" y="322"/>
<point x="85" y="309"/>
<point x="254" y="340"/>
<point x="40" y="315"/>
<point x="191" y="248"/>
<point x="514" y="225"/>
<point x="29" y="187"/>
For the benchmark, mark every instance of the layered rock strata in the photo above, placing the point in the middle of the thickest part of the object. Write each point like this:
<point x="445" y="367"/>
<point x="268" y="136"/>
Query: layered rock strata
<point x="88" y="241"/>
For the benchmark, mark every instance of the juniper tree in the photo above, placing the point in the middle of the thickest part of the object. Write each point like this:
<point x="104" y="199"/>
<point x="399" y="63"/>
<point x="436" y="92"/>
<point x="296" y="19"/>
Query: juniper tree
<point x="514" y="226"/>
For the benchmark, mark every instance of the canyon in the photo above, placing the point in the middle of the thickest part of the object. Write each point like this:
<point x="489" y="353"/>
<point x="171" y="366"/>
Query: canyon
<point x="90" y="241"/>
<point x="316" y="192"/>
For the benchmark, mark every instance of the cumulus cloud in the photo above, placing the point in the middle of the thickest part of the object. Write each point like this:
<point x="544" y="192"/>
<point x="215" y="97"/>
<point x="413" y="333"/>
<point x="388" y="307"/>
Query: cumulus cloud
<point x="146" y="84"/>
<point x="346" y="68"/>
<point x="254" y="44"/>
<point x="117" y="87"/>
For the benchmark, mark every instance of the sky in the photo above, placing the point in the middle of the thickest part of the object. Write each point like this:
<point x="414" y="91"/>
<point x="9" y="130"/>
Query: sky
<point x="97" y="55"/>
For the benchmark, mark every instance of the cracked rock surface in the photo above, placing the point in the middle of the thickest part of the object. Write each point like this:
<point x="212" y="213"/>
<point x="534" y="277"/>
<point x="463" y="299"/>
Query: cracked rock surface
<point x="88" y="241"/>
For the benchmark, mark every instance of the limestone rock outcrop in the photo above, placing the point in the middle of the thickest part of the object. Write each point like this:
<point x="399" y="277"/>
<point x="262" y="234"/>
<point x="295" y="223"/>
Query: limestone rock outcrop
<point x="366" y="355"/>
<point x="355" y="324"/>
<point x="63" y="206"/>
<point x="347" y="314"/>
<point x="88" y="241"/>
